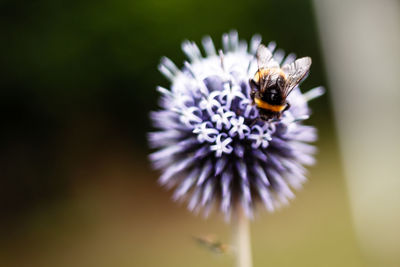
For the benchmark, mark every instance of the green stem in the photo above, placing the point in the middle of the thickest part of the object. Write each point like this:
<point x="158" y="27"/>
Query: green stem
<point x="241" y="233"/>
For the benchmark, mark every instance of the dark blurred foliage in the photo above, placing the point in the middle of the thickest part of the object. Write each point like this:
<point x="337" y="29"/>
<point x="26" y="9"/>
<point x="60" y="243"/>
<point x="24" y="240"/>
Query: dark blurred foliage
<point x="78" y="75"/>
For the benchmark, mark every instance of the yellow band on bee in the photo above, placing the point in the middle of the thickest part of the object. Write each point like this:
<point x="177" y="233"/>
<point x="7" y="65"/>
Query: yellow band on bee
<point x="265" y="72"/>
<point x="265" y="105"/>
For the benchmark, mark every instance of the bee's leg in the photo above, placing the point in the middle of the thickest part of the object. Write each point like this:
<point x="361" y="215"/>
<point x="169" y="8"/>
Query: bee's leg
<point x="254" y="122"/>
<point x="253" y="89"/>
<point x="287" y="106"/>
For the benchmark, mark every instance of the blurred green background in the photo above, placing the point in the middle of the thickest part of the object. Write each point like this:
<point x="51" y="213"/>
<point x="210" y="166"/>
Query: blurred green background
<point x="78" y="80"/>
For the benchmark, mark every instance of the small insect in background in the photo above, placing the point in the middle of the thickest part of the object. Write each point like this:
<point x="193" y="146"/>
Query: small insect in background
<point x="211" y="243"/>
<point x="271" y="84"/>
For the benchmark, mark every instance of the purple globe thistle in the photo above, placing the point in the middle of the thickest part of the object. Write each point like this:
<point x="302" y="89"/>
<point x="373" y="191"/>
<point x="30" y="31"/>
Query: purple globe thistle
<point x="211" y="148"/>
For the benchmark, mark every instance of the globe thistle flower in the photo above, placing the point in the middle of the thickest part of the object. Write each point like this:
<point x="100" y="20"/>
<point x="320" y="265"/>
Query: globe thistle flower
<point x="210" y="146"/>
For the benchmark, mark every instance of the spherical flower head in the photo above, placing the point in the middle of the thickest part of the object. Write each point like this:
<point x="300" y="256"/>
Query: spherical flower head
<point x="211" y="146"/>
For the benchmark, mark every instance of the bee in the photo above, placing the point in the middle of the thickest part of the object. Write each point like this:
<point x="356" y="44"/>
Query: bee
<point x="271" y="84"/>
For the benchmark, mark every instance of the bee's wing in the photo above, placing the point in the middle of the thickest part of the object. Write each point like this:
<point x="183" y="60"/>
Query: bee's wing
<point x="295" y="73"/>
<point x="264" y="56"/>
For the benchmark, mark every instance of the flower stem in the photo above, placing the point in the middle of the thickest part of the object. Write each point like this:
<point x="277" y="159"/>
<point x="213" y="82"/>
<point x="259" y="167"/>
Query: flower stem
<point x="241" y="233"/>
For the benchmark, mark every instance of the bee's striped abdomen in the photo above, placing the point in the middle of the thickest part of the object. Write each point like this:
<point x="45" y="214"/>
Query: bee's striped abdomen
<point x="264" y="105"/>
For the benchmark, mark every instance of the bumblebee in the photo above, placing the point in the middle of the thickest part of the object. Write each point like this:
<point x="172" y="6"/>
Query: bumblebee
<point x="271" y="84"/>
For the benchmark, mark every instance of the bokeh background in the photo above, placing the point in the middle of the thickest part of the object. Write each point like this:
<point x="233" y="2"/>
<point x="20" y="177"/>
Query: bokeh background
<point x="77" y="83"/>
